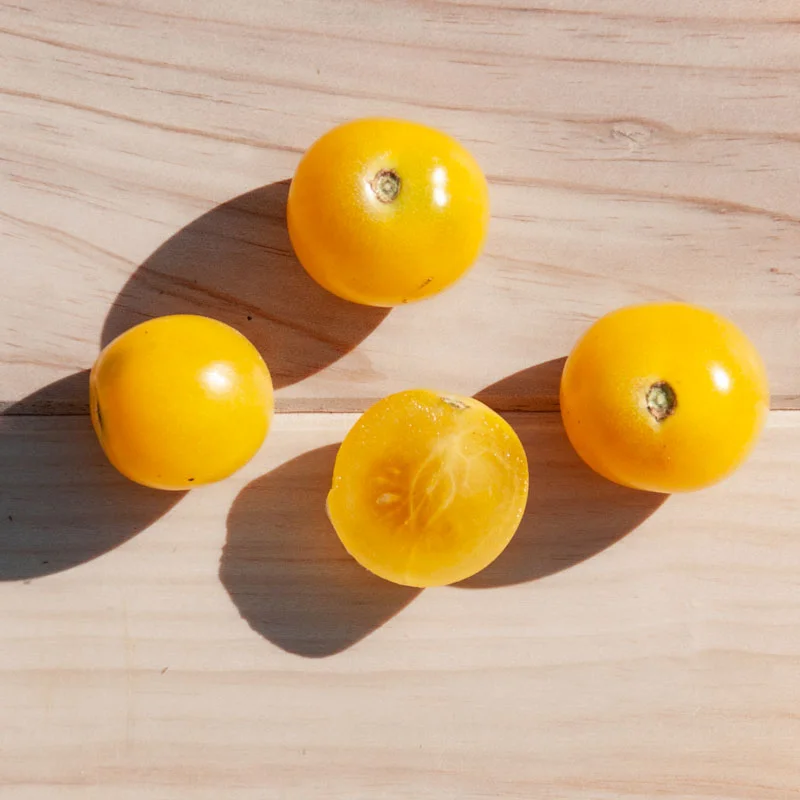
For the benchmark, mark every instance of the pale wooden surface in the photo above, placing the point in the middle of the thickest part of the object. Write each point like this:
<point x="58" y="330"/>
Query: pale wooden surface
<point x="635" y="150"/>
<point x="189" y="661"/>
<point x="221" y="645"/>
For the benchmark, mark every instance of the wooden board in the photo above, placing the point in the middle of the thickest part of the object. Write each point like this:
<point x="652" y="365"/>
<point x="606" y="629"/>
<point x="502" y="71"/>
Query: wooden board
<point x="622" y="647"/>
<point x="635" y="150"/>
<point x="220" y="644"/>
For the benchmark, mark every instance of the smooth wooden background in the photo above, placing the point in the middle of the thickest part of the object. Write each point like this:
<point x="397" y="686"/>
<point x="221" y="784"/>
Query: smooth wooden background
<point x="221" y="644"/>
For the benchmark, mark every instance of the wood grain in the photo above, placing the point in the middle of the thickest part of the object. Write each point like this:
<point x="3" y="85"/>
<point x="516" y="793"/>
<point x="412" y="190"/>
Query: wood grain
<point x="636" y="151"/>
<point x="221" y="644"/>
<point x="621" y="648"/>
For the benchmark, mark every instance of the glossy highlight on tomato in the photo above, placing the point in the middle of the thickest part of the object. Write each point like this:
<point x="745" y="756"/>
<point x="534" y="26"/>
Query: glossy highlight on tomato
<point x="665" y="397"/>
<point x="384" y="211"/>
<point x="180" y="401"/>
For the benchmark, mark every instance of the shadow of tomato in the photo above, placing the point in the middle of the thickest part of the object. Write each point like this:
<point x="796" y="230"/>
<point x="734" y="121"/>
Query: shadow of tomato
<point x="235" y="263"/>
<point x="61" y="502"/>
<point x="572" y="513"/>
<point x="287" y="572"/>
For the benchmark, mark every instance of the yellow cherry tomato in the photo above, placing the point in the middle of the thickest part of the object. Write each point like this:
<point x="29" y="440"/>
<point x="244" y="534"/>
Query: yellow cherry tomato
<point x="665" y="397"/>
<point x="383" y="211"/>
<point x="180" y="401"/>
<point x="428" y="489"/>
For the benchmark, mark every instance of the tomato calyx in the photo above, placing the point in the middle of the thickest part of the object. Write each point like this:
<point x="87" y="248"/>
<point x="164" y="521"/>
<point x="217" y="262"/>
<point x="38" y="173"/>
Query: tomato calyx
<point x="386" y="185"/>
<point x="661" y="401"/>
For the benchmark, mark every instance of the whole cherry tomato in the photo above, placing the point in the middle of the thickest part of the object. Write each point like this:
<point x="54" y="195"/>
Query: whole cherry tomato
<point x="180" y="401"/>
<point x="665" y="397"/>
<point x="383" y="212"/>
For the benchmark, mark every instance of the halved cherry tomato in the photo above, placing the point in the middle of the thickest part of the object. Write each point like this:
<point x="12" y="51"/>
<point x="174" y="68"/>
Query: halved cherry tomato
<point x="428" y="488"/>
<point x="180" y="401"/>
<point x="383" y="211"/>
<point x="665" y="397"/>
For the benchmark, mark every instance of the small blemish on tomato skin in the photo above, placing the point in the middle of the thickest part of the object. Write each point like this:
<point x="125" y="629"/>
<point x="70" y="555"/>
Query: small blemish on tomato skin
<point x="98" y="414"/>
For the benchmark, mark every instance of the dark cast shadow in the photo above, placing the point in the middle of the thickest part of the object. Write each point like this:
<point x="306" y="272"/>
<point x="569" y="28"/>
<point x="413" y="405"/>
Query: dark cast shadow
<point x="235" y="263"/>
<point x="287" y="572"/>
<point x="61" y="502"/>
<point x="65" y="397"/>
<point x="572" y="513"/>
<point x="535" y="388"/>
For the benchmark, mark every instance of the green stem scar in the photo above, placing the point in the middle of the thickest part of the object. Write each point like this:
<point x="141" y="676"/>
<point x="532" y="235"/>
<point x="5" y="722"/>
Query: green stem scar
<point x="661" y="401"/>
<point x="386" y="185"/>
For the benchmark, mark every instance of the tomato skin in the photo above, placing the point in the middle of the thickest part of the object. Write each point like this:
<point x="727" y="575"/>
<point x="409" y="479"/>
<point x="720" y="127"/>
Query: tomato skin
<point x="714" y="378"/>
<point x="406" y="248"/>
<point x="180" y="401"/>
